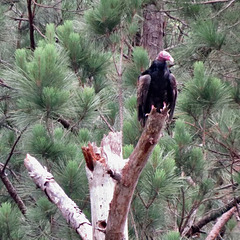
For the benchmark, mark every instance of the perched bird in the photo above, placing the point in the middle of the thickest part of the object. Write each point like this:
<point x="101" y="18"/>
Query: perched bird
<point x="156" y="87"/>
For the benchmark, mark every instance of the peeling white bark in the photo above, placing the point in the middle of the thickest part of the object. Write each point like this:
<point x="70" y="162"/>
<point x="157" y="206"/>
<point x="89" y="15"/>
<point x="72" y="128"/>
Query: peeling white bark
<point x="103" y="170"/>
<point x="68" y="208"/>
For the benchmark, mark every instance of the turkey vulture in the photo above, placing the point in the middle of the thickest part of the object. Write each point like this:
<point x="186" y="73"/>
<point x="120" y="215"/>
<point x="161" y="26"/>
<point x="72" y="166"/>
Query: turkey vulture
<point x="156" y="87"/>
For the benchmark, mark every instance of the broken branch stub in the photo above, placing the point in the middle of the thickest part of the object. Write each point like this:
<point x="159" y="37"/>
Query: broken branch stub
<point x="103" y="168"/>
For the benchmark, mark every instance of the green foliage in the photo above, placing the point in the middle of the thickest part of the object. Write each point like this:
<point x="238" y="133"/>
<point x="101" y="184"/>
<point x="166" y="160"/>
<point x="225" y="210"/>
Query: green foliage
<point x="131" y="129"/>
<point x="188" y="158"/>
<point x="172" y="236"/>
<point x="127" y="150"/>
<point x="50" y="33"/>
<point x="105" y="17"/>
<point x="206" y="186"/>
<point x="203" y="94"/>
<point x="10" y="222"/>
<point x="71" y="76"/>
<point x="84" y="135"/>
<point x="86" y="105"/>
<point x="226" y="128"/>
<point x="193" y="11"/>
<point x="54" y="147"/>
<point x="85" y="56"/>
<point x="43" y="211"/>
<point x="182" y="136"/>
<point x="208" y="34"/>
<point x="157" y="184"/>
<point x="70" y="175"/>
<point x="42" y="83"/>
<point x="139" y="63"/>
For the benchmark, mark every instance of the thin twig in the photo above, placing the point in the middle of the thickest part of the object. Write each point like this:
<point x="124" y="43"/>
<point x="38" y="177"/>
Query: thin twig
<point x="12" y="150"/>
<point x="183" y="210"/>
<point x="56" y="8"/>
<point x="105" y="120"/>
<point x="38" y="30"/>
<point x="177" y="19"/>
<point x="224" y="8"/>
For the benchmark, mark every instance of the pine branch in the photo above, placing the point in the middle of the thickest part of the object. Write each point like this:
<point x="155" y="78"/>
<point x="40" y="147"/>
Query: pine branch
<point x="220" y="224"/>
<point x="55" y="194"/>
<point x="211" y="217"/>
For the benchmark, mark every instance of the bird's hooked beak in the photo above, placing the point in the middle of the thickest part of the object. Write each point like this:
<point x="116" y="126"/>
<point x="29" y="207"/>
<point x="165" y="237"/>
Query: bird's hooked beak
<point x="165" y="56"/>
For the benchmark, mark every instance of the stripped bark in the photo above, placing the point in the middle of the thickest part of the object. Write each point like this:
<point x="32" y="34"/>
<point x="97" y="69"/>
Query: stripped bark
<point x="112" y="180"/>
<point x="103" y="167"/>
<point x="54" y="192"/>
<point x="215" y="232"/>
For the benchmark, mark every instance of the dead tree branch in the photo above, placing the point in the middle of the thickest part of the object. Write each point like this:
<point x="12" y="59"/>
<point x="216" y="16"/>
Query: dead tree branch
<point x="124" y="188"/>
<point x="211" y="217"/>
<point x="54" y="192"/>
<point x="220" y="224"/>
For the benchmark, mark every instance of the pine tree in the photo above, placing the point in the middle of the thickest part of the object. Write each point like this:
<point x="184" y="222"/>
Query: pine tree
<point x="80" y="83"/>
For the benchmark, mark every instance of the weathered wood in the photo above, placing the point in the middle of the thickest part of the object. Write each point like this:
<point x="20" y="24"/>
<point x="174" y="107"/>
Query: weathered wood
<point x="54" y="192"/>
<point x="220" y="224"/>
<point x="125" y="187"/>
<point x="103" y="167"/>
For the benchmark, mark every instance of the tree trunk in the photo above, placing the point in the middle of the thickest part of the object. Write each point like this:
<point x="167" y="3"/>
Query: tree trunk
<point x="153" y="30"/>
<point x="31" y="28"/>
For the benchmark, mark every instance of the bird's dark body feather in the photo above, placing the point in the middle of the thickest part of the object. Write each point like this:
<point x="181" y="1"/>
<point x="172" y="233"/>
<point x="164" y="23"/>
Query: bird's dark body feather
<point x="156" y="86"/>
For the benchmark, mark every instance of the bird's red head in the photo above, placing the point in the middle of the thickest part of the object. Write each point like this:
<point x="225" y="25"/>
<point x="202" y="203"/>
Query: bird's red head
<point x="165" y="56"/>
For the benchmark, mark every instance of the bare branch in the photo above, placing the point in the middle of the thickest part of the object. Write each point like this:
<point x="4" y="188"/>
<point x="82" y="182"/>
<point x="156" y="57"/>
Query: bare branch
<point x="211" y="217"/>
<point x="12" y="191"/>
<point x="54" y="192"/>
<point x="56" y="8"/>
<point x="220" y="224"/>
<point x="12" y="150"/>
<point x="38" y="30"/>
<point x="224" y="8"/>
<point x="31" y="28"/>
<point x="106" y="121"/>
<point x="124" y="189"/>
<point x="175" y="18"/>
<point x="2" y="83"/>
